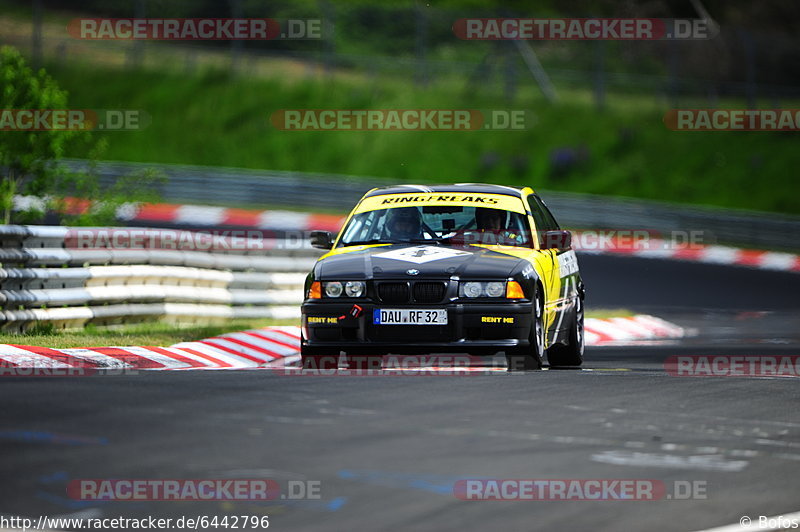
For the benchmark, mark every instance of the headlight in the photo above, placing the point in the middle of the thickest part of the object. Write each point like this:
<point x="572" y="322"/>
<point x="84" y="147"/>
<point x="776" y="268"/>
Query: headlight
<point x="473" y="289"/>
<point x="354" y="288"/>
<point x="495" y="289"/>
<point x="348" y="288"/>
<point x="333" y="289"/>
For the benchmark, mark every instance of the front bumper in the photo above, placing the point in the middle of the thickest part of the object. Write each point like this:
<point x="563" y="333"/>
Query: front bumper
<point x="475" y="328"/>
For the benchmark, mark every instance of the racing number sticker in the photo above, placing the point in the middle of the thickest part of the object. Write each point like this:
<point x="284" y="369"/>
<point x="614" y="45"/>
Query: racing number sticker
<point x="567" y="263"/>
<point x="421" y="254"/>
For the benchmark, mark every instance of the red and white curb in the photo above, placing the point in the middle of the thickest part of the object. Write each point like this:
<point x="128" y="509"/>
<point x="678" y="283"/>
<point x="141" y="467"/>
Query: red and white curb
<point x="653" y="248"/>
<point x="203" y="215"/>
<point x="708" y="254"/>
<point x="267" y="347"/>
<point x="272" y="347"/>
<point x="258" y="348"/>
<point x="641" y="329"/>
<point x="583" y="242"/>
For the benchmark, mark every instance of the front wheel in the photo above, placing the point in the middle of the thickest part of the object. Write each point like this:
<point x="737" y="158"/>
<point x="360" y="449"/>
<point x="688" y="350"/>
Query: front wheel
<point x="530" y="357"/>
<point x="572" y="353"/>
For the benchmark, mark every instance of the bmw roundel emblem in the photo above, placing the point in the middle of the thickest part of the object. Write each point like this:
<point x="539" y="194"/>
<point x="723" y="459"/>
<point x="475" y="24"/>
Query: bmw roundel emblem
<point x="412" y="271"/>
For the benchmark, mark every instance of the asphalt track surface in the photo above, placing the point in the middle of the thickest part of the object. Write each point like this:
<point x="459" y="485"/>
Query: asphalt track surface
<point x="388" y="450"/>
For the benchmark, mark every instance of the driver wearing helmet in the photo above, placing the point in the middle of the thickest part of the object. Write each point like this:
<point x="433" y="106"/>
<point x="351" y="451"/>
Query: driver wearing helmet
<point x="490" y="219"/>
<point x="404" y="223"/>
<point x="491" y="225"/>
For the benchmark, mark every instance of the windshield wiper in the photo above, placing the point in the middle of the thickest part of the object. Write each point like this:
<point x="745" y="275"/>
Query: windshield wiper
<point x="437" y="240"/>
<point x="366" y="242"/>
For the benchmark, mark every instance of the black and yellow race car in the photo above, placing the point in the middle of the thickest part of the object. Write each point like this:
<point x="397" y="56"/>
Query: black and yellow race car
<point x="464" y="268"/>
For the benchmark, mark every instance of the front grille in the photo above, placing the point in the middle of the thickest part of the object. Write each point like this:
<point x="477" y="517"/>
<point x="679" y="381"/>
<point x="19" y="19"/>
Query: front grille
<point x="425" y="292"/>
<point x="393" y="292"/>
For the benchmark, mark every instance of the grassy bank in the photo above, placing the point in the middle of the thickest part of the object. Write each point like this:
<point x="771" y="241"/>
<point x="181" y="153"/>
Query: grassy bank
<point x="214" y="119"/>
<point x="159" y="334"/>
<point x="162" y="334"/>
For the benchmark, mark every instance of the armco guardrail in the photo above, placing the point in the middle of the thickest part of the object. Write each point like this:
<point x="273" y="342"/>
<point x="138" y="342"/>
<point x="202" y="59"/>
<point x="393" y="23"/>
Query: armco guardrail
<point x="213" y="185"/>
<point x="74" y="276"/>
<point x="725" y="226"/>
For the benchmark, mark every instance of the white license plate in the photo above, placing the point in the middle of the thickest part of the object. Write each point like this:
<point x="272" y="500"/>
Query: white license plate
<point x="405" y="316"/>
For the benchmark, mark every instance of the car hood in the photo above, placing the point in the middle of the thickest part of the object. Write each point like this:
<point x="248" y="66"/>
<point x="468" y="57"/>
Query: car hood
<point x="432" y="261"/>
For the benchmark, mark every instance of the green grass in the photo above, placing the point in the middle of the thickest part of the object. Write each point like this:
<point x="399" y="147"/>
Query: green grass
<point x="209" y="117"/>
<point x="158" y="334"/>
<point x="212" y="118"/>
<point x="163" y="334"/>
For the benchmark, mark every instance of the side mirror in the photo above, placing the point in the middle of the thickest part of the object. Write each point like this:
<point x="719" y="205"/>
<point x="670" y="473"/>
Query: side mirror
<point x="321" y="239"/>
<point x="556" y="239"/>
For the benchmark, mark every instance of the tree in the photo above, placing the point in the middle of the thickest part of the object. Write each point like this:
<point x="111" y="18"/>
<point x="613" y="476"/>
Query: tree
<point x="29" y="159"/>
<point x="27" y="153"/>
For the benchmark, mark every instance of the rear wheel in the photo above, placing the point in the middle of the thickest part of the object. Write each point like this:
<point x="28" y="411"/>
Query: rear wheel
<point x="572" y="353"/>
<point x="530" y="357"/>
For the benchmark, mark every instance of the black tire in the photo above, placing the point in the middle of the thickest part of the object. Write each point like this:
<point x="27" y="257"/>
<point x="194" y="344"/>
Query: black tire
<point x="572" y="353"/>
<point x="530" y="357"/>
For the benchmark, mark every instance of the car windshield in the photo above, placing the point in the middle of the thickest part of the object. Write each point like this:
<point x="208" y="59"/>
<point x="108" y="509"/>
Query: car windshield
<point x="451" y="224"/>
